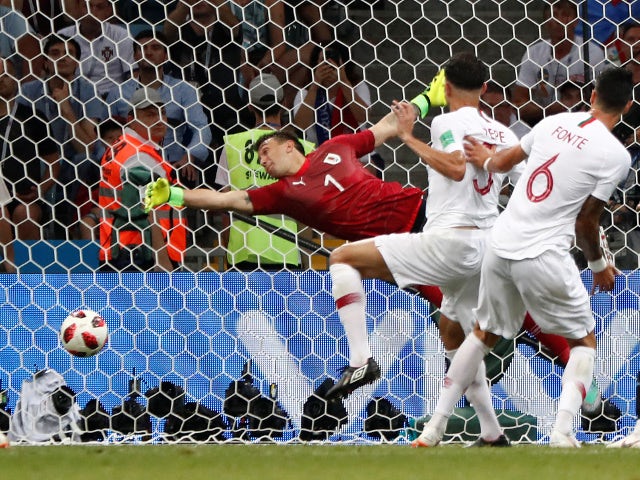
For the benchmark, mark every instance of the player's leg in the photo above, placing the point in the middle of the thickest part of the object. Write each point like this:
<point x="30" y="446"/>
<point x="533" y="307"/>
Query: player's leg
<point x="430" y="293"/>
<point x="598" y="414"/>
<point x="555" y="296"/>
<point x="498" y="300"/>
<point x="556" y="344"/>
<point x="575" y="381"/>
<point x="349" y="264"/>
<point x="457" y="320"/>
<point x="464" y="370"/>
<point x="404" y="259"/>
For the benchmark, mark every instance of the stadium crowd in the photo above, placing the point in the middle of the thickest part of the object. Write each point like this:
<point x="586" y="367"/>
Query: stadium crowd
<point x="77" y="63"/>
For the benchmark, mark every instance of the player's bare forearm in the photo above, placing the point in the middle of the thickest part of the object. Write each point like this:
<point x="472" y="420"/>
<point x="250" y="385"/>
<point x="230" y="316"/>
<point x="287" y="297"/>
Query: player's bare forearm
<point x="587" y="228"/>
<point x="385" y="129"/>
<point x="478" y="154"/>
<point x="204" y="199"/>
<point x="452" y="165"/>
<point x="588" y="240"/>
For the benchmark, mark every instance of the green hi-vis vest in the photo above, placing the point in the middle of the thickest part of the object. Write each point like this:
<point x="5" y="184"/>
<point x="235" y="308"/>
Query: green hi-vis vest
<point x="248" y="243"/>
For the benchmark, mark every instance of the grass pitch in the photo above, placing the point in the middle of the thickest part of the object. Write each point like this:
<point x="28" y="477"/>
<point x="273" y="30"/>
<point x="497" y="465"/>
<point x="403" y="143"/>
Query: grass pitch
<point x="310" y="462"/>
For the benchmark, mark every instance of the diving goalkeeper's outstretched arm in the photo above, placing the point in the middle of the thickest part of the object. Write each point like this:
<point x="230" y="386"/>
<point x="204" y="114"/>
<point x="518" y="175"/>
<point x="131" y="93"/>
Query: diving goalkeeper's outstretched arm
<point x="161" y="192"/>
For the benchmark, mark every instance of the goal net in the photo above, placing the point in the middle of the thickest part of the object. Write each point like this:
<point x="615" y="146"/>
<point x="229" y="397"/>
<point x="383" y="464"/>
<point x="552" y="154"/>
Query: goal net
<point x="208" y="353"/>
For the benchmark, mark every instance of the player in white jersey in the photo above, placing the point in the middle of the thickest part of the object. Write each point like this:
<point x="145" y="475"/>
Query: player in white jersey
<point x="461" y="205"/>
<point x="574" y="166"/>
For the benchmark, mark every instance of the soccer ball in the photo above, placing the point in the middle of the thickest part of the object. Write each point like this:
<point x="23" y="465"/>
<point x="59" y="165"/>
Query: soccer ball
<point x="83" y="333"/>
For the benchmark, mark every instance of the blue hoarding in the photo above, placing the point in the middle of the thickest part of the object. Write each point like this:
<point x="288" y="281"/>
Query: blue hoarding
<point x="199" y="330"/>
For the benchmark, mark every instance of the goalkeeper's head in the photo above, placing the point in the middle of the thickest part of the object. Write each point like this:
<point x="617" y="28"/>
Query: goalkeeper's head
<point x="466" y="72"/>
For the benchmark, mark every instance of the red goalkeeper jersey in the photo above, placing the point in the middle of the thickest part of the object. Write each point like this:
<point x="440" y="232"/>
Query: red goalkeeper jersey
<point x="334" y="193"/>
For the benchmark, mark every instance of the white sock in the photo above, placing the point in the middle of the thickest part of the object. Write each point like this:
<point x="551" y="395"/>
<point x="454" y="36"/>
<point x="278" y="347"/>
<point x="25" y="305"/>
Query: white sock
<point x="575" y="382"/>
<point x="461" y="374"/>
<point x="479" y="396"/>
<point x="348" y="293"/>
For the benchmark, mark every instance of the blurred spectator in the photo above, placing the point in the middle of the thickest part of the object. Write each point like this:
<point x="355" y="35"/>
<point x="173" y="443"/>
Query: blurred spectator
<point x="494" y="103"/>
<point x="186" y="144"/>
<point x="550" y="62"/>
<point x="206" y="57"/>
<point x="573" y="96"/>
<point x="310" y="13"/>
<point x="139" y="15"/>
<point x="45" y="16"/>
<point x="625" y="205"/>
<point x="18" y="41"/>
<point x="130" y="239"/>
<point x="107" y="49"/>
<point x="262" y="26"/>
<point x="624" y="235"/>
<point x="604" y="19"/>
<point x="628" y="130"/>
<point x="336" y="101"/>
<point x="30" y="161"/>
<point x="250" y="247"/>
<point x="72" y="108"/>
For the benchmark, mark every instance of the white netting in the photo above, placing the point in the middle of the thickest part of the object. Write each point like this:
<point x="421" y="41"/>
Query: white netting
<point x="222" y="355"/>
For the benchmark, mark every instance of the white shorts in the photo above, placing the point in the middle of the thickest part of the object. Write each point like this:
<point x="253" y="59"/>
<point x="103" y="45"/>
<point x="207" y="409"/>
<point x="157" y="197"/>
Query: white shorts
<point x="548" y="287"/>
<point x="449" y="258"/>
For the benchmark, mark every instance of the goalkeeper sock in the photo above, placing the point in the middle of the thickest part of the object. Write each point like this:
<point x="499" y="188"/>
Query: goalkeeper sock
<point x="555" y="343"/>
<point x="176" y="197"/>
<point x="431" y="294"/>
<point x="348" y="293"/>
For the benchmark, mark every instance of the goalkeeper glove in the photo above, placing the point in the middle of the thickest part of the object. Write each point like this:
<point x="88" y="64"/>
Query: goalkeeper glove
<point x="161" y="192"/>
<point x="433" y="96"/>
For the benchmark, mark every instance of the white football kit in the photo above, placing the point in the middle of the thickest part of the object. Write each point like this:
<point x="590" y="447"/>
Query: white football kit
<point x="448" y="252"/>
<point x="527" y="266"/>
<point x="107" y="60"/>
<point x="542" y="73"/>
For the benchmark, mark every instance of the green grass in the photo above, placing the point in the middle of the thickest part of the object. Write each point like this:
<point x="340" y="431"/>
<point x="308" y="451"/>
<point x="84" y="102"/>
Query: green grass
<point x="310" y="462"/>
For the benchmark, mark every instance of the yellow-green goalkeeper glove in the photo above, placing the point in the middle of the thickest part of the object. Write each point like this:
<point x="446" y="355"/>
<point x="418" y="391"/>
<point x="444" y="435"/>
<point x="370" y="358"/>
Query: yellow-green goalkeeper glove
<point x="433" y="96"/>
<point x="161" y="192"/>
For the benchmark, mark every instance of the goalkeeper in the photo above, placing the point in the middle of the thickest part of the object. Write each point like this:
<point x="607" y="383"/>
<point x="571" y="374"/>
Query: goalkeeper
<point x="331" y="191"/>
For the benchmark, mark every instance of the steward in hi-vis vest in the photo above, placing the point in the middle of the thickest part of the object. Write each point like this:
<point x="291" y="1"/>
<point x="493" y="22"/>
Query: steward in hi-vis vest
<point x="125" y="230"/>
<point x="247" y="243"/>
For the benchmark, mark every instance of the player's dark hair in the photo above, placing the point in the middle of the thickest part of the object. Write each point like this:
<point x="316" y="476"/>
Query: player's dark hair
<point x="280" y="136"/>
<point x="466" y="71"/>
<point x="54" y="39"/>
<point x="614" y="87"/>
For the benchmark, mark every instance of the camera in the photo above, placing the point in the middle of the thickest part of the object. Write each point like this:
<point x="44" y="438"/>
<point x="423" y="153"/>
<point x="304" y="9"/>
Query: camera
<point x="332" y="54"/>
